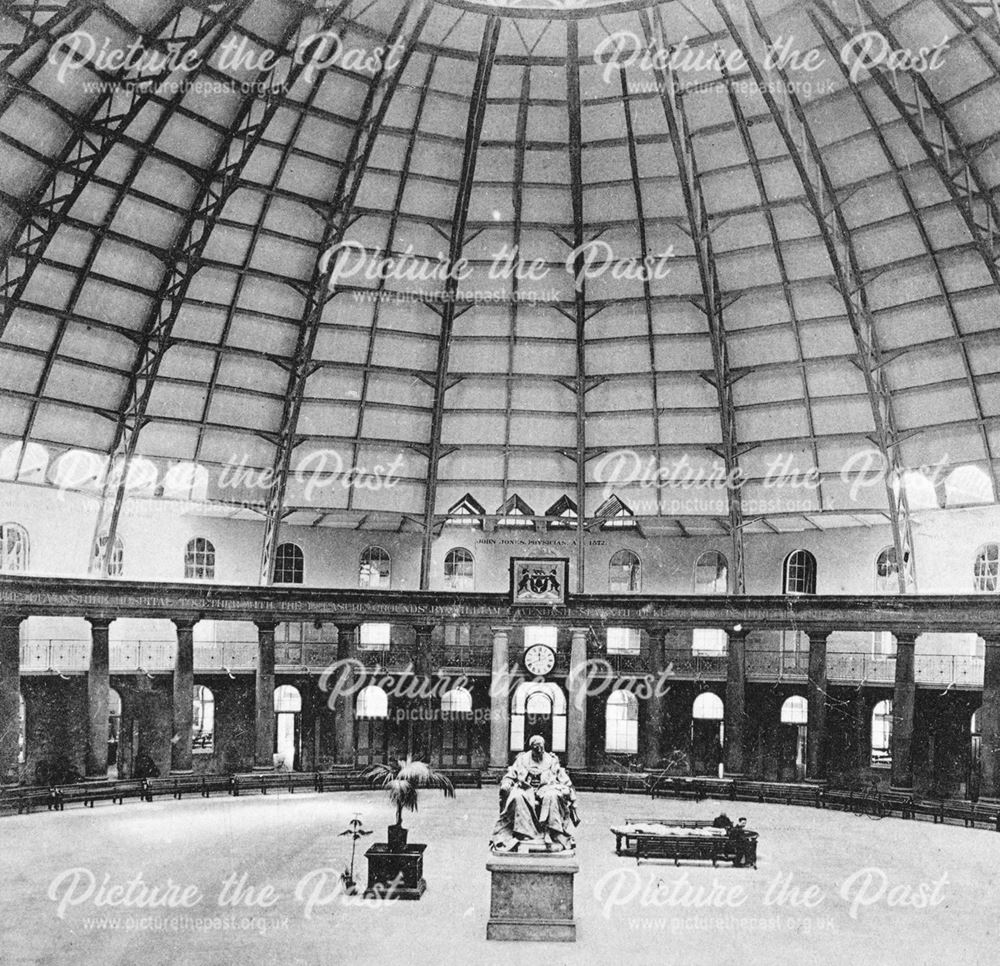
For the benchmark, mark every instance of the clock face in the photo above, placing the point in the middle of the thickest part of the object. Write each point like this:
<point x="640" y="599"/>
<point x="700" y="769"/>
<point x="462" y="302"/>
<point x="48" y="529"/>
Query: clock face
<point x="539" y="659"/>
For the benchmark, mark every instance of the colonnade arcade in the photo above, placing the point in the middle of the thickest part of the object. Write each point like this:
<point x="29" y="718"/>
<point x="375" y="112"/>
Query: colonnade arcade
<point x="492" y="695"/>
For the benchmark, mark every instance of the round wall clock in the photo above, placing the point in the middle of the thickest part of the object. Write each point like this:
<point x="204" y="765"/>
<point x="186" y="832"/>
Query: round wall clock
<point x="539" y="659"/>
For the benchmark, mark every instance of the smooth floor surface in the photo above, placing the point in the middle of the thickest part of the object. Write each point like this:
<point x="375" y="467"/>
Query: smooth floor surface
<point x="144" y="884"/>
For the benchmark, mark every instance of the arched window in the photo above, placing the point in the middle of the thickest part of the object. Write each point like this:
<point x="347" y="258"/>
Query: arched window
<point x="625" y="573"/>
<point x="289" y="564"/>
<point x="114" y="565"/>
<point x="13" y="549"/>
<point x="287" y="700"/>
<point x="711" y="573"/>
<point x="919" y="490"/>
<point x="541" y="706"/>
<point x="795" y="710"/>
<point x="372" y="702"/>
<point x="456" y="701"/>
<point x="799" y="573"/>
<point x="199" y="560"/>
<point x="708" y="707"/>
<point x="621" y="723"/>
<point x="967" y="484"/>
<point x="203" y="721"/>
<point x="882" y="733"/>
<point x="459" y="569"/>
<point x="887" y="572"/>
<point x="375" y="569"/>
<point x="22" y="729"/>
<point x="987" y="567"/>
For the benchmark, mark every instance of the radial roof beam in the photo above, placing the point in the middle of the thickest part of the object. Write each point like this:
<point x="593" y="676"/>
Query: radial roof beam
<point x="222" y="178"/>
<point x="40" y="21"/>
<point x="579" y="290"/>
<point x="647" y="295"/>
<point x="851" y="285"/>
<point x="701" y="237"/>
<point x="340" y="210"/>
<point x="95" y="133"/>
<point x="473" y="133"/>
<point x="918" y="221"/>
<point x="397" y="206"/>
<point x="779" y="257"/>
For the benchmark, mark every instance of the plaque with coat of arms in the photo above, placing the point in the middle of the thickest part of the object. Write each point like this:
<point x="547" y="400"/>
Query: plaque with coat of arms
<point x="538" y="580"/>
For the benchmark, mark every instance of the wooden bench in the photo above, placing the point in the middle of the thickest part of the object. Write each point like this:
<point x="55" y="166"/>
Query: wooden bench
<point x="27" y="798"/>
<point x="891" y="802"/>
<point x="284" y="781"/>
<point x="712" y="849"/>
<point x="629" y="837"/>
<point x="178" y="786"/>
<point x="679" y="788"/>
<point x="341" y="781"/>
<point x="968" y="813"/>
<point x="90" y="793"/>
<point x="609" y="781"/>
<point x="781" y="793"/>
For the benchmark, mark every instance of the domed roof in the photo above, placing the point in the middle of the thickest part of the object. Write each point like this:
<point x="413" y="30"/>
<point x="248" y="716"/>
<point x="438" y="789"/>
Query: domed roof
<point x="560" y="251"/>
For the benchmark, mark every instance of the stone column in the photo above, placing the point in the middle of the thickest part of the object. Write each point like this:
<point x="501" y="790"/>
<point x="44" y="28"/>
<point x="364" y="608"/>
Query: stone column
<point x="10" y="697"/>
<point x="97" y="700"/>
<point x="421" y="730"/>
<point x="734" y="747"/>
<point x="904" y="696"/>
<point x="652" y="727"/>
<point x="816" y="696"/>
<point x="576" y="724"/>
<point x="263" y="759"/>
<point x="989" y="720"/>
<point x="343" y="703"/>
<point x="500" y="699"/>
<point x="180" y="749"/>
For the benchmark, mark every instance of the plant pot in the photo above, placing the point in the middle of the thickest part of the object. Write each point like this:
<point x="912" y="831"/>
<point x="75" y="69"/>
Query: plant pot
<point x="396" y="838"/>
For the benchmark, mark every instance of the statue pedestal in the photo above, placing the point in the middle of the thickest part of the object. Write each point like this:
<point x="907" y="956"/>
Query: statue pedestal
<point x="531" y="897"/>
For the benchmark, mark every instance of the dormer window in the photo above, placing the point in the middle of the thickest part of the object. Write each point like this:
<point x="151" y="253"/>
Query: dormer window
<point x="563" y="514"/>
<point x="467" y="512"/>
<point x="615" y="515"/>
<point x="514" y="512"/>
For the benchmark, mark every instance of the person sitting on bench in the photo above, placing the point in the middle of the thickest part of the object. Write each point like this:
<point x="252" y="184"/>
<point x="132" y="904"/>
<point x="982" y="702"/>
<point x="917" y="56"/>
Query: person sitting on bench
<point x="722" y="821"/>
<point x="741" y="844"/>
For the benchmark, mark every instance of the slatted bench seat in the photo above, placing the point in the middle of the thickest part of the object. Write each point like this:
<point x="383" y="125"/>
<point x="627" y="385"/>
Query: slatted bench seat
<point x="608" y="781"/>
<point x="284" y="781"/>
<point x="680" y="788"/>
<point x="968" y="813"/>
<point x="89" y="793"/>
<point x="623" y="834"/>
<point x="178" y="786"/>
<point x="28" y="798"/>
<point x="782" y="793"/>
<point x="712" y="849"/>
<point x="341" y="781"/>
<point x="896" y="802"/>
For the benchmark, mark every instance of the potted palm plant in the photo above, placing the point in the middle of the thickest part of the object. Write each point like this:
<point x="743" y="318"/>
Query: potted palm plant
<point x="402" y="779"/>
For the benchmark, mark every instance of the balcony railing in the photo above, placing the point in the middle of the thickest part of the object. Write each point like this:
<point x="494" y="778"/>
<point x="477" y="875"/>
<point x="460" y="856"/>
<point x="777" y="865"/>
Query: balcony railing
<point x="855" y="667"/>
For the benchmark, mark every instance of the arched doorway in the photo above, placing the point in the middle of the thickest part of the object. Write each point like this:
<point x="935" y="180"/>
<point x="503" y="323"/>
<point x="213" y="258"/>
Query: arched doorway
<point x="792" y="739"/>
<point x="287" y="727"/>
<point x="974" y="772"/>
<point x="371" y="725"/>
<point x="538" y="708"/>
<point x="456" y="728"/>
<point x="707" y="734"/>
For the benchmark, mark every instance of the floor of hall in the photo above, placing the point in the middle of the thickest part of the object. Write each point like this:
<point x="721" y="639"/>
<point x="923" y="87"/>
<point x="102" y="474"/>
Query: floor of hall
<point x="829" y="887"/>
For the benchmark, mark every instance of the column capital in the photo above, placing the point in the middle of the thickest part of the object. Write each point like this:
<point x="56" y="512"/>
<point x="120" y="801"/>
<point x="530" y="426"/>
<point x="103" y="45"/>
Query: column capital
<point x="99" y="623"/>
<point x="579" y="631"/>
<point x="990" y="638"/>
<point x="12" y="620"/>
<point x="347" y="627"/>
<point x="820" y="633"/>
<point x="184" y="623"/>
<point x="906" y="637"/>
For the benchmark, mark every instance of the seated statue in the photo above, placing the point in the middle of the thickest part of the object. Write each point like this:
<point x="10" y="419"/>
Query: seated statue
<point x="537" y="803"/>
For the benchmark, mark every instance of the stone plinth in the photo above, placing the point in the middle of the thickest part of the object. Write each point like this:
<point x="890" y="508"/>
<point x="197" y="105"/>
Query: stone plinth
<point x="531" y="898"/>
<point x="395" y="875"/>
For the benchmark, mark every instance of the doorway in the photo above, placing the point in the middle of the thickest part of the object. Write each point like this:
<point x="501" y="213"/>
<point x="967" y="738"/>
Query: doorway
<point x="287" y="728"/>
